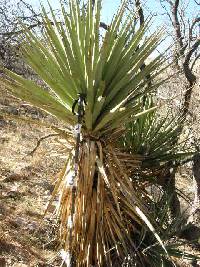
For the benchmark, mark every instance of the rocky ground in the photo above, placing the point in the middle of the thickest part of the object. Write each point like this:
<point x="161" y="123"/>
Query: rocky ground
<point x="26" y="239"/>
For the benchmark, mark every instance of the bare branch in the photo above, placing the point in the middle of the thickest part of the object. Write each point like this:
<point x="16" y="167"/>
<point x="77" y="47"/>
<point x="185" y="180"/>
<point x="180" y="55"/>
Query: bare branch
<point x="198" y="3"/>
<point x="195" y="21"/>
<point x="191" y="78"/>
<point x="39" y="142"/>
<point x="38" y="24"/>
<point x="187" y="70"/>
<point x="176" y="25"/>
<point x="167" y="13"/>
<point x="9" y="34"/>
<point x="140" y="11"/>
<point x="195" y="60"/>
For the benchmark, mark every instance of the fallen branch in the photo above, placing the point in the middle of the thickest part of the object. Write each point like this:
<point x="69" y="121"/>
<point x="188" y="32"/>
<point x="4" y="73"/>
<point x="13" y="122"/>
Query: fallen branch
<point x="39" y="142"/>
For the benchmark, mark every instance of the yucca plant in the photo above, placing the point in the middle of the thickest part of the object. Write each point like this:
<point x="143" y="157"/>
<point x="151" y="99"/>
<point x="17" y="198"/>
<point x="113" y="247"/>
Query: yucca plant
<point x="156" y="136"/>
<point x="101" y="210"/>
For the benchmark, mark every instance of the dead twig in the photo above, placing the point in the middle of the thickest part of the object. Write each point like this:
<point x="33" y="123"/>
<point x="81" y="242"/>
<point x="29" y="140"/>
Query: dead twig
<point x="39" y="142"/>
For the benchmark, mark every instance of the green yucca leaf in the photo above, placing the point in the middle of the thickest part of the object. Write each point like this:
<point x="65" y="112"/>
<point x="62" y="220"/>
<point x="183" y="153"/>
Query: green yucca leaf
<point x="155" y="137"/>
<point x="39" y="59"/>
<point x="70" y="58"/>
<point x="35" y="95"/>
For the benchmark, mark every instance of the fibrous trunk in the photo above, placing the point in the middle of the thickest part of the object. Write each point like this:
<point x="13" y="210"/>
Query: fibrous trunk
<point x="108" y="209"/>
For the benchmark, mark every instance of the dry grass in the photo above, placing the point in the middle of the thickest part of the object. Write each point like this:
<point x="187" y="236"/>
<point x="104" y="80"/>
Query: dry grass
<point x="25" y="187"/>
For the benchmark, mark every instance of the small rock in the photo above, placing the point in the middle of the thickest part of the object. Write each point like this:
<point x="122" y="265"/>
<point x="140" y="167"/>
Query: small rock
<point x="13" y="177"/>
<point x="46" y="185"/>
<point x="18" y="222"/>
<point x="13" y="110"/>
<point x="6" y="247"/>
<point x="3" y="123"/>
<point x="32" y="226"/>
<point x="13" y="194"/>
<point x="4" y="140"/>
<point x="2" y="210"/>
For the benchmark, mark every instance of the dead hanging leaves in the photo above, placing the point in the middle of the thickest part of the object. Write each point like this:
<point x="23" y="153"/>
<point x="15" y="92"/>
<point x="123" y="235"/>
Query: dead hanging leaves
<point x="109" y="206"/>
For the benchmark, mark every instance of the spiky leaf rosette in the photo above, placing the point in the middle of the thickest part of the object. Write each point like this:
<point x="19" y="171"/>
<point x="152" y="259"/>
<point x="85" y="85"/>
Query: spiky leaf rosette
<point x="156" y="137"/>
<point x="71" y="59"/>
